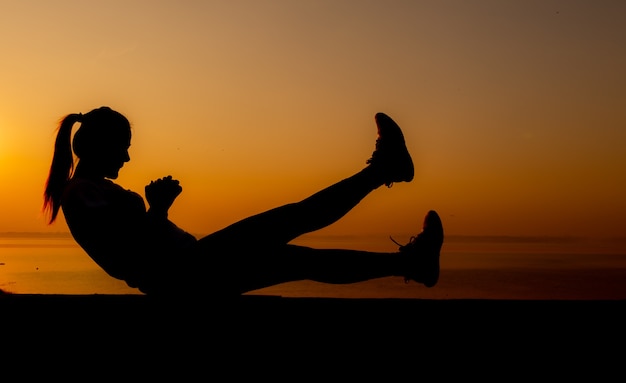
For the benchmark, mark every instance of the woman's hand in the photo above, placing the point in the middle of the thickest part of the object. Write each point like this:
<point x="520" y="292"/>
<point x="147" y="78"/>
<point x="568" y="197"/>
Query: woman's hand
<point x="161" y="194"/>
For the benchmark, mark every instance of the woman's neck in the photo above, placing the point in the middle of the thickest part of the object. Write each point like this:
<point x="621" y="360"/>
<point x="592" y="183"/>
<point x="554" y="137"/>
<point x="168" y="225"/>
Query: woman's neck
<point x="83" y="171"/>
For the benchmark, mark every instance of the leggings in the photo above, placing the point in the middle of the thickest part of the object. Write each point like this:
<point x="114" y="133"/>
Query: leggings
<point x="255" y="252"/>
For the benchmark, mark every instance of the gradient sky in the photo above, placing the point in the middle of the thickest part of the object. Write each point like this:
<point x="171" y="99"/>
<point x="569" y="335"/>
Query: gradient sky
<point x="514" y="111"/>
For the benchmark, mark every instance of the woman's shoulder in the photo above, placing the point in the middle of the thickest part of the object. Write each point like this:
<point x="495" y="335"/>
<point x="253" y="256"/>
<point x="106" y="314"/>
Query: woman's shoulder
<point x="79" y="183"/>
<point x="82" y="187"/>
<point x="96" y="192"/>
<point x="104" y="185"/>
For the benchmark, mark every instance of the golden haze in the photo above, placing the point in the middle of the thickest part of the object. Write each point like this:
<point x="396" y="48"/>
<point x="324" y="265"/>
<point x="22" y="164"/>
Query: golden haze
<point x="514" y="112"/>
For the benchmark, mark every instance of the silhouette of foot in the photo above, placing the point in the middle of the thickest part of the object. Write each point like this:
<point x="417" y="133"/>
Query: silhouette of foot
<point x="391" y="159"/>
<point x="423" y="252"/>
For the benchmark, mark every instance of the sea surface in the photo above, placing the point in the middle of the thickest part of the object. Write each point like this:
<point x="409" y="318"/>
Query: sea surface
<point x="471" y="268"/>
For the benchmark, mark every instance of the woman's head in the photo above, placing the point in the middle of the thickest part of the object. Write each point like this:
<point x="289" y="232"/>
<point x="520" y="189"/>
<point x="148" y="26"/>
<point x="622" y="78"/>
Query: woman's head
<point x="100" y="131"/>
<point x="100" y="144"/>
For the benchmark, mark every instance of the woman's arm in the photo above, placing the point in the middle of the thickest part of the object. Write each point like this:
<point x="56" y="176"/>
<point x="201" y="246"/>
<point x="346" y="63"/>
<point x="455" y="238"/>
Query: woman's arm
<point x="160" y="195"/>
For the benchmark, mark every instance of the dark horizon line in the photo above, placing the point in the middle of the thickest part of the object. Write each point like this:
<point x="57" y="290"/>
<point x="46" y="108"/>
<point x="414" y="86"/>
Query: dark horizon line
<point x="450" y="237"/>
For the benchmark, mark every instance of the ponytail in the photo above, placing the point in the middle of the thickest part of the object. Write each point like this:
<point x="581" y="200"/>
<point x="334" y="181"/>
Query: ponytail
<point x="62" y="166"/>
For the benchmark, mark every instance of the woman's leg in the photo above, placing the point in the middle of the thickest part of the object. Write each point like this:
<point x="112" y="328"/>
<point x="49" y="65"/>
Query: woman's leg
<point x="254" y="252"/>
<point x="288" y="263"/>
<point x="282" y="224"/>
<point x="417" y="261"/>
<point x="390" y="162"/>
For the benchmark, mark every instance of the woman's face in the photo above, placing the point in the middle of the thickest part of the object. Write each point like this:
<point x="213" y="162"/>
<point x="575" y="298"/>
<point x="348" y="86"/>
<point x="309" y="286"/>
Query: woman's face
<point x="107" y="158"/>
<point x="114" y="161"/>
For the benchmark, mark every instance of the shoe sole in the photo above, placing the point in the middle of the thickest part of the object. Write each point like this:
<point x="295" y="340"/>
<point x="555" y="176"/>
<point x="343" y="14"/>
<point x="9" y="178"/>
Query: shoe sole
<point x="434" y="229"/>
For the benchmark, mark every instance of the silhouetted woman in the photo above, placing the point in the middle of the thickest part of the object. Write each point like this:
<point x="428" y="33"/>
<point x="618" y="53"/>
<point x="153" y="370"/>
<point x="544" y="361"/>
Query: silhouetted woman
<point x="146" y="250"/>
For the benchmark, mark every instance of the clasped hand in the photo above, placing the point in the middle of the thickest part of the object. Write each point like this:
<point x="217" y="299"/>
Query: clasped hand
<point x="161" y="194"/>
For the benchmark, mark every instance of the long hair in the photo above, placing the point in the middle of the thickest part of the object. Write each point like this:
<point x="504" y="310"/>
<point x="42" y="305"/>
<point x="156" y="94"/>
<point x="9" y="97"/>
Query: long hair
<point x="98" y="127"/>
<point x="62" y="167"/>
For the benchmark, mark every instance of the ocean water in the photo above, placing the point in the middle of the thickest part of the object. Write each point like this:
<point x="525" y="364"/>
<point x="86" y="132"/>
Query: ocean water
<point x="471" y="268"/>
<point x="37" y="263"/>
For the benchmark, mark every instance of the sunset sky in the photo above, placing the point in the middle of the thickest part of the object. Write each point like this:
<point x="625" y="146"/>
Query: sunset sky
<point x="514" y="111"/>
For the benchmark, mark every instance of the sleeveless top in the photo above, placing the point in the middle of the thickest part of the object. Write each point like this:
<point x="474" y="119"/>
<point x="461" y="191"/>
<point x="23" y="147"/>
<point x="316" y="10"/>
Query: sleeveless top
<point x="112" y="226"/>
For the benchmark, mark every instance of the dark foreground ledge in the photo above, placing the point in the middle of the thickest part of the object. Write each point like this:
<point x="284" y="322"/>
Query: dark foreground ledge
<point x="254" y="309"/>
<point x="141" y="303"/>
<point x="314" y="332"/>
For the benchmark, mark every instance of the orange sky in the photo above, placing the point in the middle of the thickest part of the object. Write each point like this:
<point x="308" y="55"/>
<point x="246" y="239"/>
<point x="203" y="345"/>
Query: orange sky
<point x="514" y="111"/>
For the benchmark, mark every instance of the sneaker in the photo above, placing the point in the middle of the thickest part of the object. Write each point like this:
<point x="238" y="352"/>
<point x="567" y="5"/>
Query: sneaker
<point x="423" y="252"/>
<point x="391" y="157"/>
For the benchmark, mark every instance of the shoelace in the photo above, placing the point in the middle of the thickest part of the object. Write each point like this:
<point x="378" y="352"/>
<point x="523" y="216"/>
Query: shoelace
<point x="394" y="241"/>
<point x="375" y="154"/>
<point x="411" y="241"/>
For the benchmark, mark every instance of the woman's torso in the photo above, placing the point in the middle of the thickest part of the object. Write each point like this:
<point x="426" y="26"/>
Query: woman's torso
<point x="110" y="223"/>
